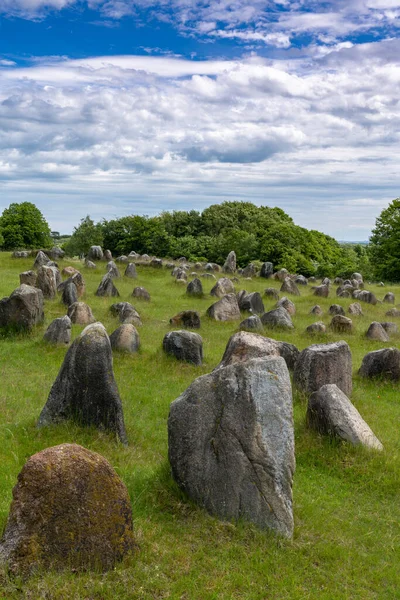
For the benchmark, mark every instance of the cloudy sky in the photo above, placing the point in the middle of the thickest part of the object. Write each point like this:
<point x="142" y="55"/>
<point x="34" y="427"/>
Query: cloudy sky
<point x="116" y="107"/>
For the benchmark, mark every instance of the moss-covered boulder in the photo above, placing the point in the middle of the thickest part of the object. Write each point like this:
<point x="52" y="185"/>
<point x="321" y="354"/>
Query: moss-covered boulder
<point x="69" y="510"/>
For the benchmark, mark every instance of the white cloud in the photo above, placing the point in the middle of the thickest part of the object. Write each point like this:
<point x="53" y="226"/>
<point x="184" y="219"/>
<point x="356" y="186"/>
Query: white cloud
<point x="321" y="133"/>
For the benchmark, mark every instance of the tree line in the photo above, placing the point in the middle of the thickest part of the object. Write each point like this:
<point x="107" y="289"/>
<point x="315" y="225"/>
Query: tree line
<point x="255" y="233"/>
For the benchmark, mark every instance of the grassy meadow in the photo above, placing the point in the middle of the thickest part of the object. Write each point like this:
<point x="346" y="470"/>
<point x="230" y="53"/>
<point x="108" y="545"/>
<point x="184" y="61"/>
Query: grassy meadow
<point x="346" y="543"/>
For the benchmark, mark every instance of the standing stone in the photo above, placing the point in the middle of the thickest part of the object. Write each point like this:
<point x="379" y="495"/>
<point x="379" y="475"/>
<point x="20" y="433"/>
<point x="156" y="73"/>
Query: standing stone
<point x="125" y="339"/>
<point x="301" y="280"/>
<point x="271" y="293"/>
<point x="249" y="271"/>
<point x="226" y="309"/>
<point x="69" y="271"/>
<point x="190" y="319"/>
<point x="28" y="277"/>
<point x="80" y="313"/>
<point x="355" y="309"/>
<point x="40" y="260"/>
<point x="195" y="288"/>
<point x="322" y="291"/>
<point x="390" y="328"/>
<point x="126" y="313"/>
<point x="156" y="263"/>
<point x="267" y="270"/>
<point x="278" y="318"/>
<point x="330" y="412"/>
<point x="316" y="328"/>
<point x="251" y="303"/>
<point x="141" y="293"/>
<point x="95" y="253"/>
<point x="389" y="298"/>
<point x="23" y="309"/>
<point x="366" y="296"/>
<point x="184" y="345"/>
<point x="70" y="510"/>
<point x="179" y="273"/>
<point x="230" y="263"/>
<point x="377" y="332"/>
<point x="287" y="304"/>
<point x="46" y="281"/>
<point x="107" y="255"/>
<point x="85" y="389"/>
<point x="244" y="346"/>
<point x="122" y="259"/>
<point x="281" y="274"/>
<point x="69" y="294"/>
<point x="320" y="364"/>
<point x="113" y="270"/>
<point x="357" y="276"/>
<point x="393" y="312"/>
<point x="89" y="264"/>
<point x="252" y="323"/>
<point x="231" y="443"/>
<point x="336" y="309"/>
<point x="383" y="363"/>
<point x="222" y="287"/>
<point x="56" y="253"/>
<point x="130" y="271"/>
<point x="59" y="331"/>
<point x="341" y="324"/>
<point x="316" y="310"/>
<point x="289" y="287"/>
<point x="107" y="287"/>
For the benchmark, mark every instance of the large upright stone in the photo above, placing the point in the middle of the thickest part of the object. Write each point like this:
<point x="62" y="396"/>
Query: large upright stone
<point x="47" y="282"/>
<point x="23" y="309"/>
<point x="40" y="260"/>
<point x="80" y="313"/>
<point x="230" y="263"/>
<point x="125" y="339"/>
<point x="126" y="313"/>
<point x="107" y="287"/>
<point x="289" y="287"/>
<point x="251" y="303"/>
<point x="231" y="443"/>
<point x="267" y="270"/>
<point x="70" y="510"/>
<point x="320" y="364"/>
<point x="195" y="288"/>
<point x="59" y="331"/>
<point x="141" y="294"/>
<point x="184" y="345"/>
<point x="226" y="309"/>
<point x="330" y="412"/>
<point x="130" y="271"/>
<point x="279" y="318"/>
<point x="244" y="346"/>
<point x="322" y="291"/>
<point x="383" y="363"/>
<point x="85" y="389"/>
<point x="69" y="294"/>
<point x="28" y="277"/>
<point x="377" y="332"/>
<point x="222" y="287"/>
<point x="113" y="270"/>
<point x="95" y="253"/>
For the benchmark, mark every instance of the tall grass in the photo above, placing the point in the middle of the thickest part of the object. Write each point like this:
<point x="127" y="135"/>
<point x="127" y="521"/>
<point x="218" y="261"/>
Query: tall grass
<point x="346" y="500"/>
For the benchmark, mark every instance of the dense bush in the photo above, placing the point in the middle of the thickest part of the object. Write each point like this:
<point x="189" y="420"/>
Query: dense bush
<point x="254" y="233"/>
<point x="385" y="243"/>
<point x="23" y="226"/>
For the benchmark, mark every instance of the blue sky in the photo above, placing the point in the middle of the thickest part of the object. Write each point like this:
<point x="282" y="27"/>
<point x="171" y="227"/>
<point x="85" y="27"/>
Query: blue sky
<point x="137" y="106"/>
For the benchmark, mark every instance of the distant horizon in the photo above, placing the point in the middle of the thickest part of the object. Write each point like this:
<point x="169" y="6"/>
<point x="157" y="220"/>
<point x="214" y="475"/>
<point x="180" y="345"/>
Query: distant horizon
<point x="138" y="106"/>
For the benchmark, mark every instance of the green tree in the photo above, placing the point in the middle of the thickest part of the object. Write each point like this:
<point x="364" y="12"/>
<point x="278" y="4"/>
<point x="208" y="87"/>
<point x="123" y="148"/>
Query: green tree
<point x="24" y="226"/>
<point x="385" y="243"/>
<point x="85" y="235"/>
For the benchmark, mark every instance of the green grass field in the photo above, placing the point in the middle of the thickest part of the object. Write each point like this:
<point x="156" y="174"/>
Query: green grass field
<point x="346" y="543"/>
